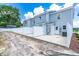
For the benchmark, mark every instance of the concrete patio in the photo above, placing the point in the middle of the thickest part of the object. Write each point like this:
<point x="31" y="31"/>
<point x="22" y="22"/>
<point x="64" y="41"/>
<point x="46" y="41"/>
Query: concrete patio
<point x="57" y="39"/>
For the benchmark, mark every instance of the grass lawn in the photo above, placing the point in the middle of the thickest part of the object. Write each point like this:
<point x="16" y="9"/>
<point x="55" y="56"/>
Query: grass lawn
<point x="76" y="30"/>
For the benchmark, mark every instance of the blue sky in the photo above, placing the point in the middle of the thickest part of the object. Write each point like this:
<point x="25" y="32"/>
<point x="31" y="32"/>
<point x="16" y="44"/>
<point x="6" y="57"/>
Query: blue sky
<point x="26" y="7"/>
<point x="29" y="10"/>
<point x="29" y="7"/>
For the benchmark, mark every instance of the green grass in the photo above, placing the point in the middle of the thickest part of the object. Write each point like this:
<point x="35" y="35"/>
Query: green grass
<point x="76" y="31"/>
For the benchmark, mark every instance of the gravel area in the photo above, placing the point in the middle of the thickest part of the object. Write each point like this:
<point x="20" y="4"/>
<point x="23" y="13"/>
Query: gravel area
<point x="20" y="45"/>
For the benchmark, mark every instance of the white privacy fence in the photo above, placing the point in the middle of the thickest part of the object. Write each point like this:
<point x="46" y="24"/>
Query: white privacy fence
<point x="39" y="32"/>
<point x="30" y="31"/>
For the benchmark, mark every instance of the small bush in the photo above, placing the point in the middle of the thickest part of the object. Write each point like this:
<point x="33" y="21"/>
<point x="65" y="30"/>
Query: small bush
<point x="3" y="24"/>
<point x="77" y="35"/>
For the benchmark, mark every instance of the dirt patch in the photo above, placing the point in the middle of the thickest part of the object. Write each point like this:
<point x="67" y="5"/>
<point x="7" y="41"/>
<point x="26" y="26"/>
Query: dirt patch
<point x="74" y="45"/>
<point x="20" y="45"/>
<point x="2" y="44"/>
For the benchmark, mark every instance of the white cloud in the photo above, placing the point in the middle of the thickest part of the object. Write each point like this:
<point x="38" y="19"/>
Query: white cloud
<point x="28" y="15"/>
<point x="38" y="10"/>
<point x="68" y="5"/>
<point x="54" y="7"/>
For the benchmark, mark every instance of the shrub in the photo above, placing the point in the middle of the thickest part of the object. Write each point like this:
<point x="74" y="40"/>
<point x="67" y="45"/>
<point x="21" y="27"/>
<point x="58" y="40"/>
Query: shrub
<point x="77" y="35"/>
<point x="3" y="23"/>
<point x="17" y="24"/>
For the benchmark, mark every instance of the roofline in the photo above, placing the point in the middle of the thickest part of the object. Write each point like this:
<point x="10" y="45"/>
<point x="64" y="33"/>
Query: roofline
<point x="63" y="9"/>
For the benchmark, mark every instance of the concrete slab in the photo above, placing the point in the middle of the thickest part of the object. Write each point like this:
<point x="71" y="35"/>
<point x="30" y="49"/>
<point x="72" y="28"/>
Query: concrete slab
<point x="57" y="39"/>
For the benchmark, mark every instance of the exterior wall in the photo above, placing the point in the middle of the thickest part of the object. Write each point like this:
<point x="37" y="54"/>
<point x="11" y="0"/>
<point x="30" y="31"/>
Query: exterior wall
<point x="49" y="18"/>
<point x="52" y="29"/>
<point x="40" y="19"/>
<point x="28" y="23"/>
<point x="69" y="33"/>
<point x="52" y="17"/>
<point x="25" y="23"/>
<point x="45" y="24"/>
<point x="65" y="17"/>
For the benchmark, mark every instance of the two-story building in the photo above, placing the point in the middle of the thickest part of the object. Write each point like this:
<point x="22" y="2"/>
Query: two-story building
<point x="54" y="22"/>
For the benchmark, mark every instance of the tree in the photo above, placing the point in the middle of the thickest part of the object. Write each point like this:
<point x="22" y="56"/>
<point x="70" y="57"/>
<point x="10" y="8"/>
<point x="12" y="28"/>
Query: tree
<point x="3" y="24"/>
<point x="9" y="15"/>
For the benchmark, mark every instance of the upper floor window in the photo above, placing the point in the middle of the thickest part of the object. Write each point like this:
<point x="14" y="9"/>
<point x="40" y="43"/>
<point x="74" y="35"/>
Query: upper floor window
<point x="58" y="17"/>
<point x="64" y="26"/>
<point x="56" y="28"/>
<point x="40" y="17"/>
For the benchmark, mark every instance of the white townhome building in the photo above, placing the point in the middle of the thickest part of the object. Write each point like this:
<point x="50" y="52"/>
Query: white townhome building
<point x="54" y="23"/>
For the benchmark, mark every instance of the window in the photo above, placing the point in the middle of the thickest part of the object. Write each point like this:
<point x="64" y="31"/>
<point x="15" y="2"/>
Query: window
<point x="64" y="26"/>
<point x="64" y="34"/>
<point x="40" y="17"/>
<point x="78" y="14"/>
<point x="33" y="22"/>
<point x="56" y="28"/>
<point x="58" y="17"/>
